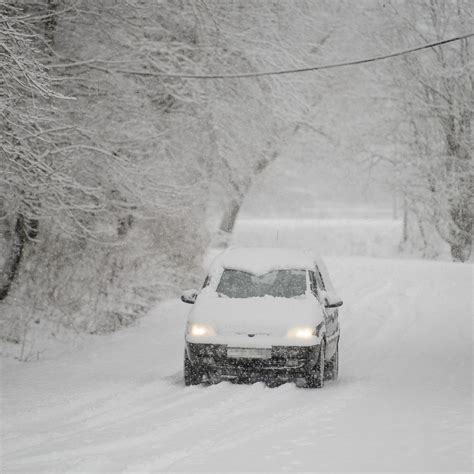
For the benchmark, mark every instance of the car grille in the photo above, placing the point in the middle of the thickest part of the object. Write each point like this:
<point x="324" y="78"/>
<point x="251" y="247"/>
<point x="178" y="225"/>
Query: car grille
<point x="285" y="357"/>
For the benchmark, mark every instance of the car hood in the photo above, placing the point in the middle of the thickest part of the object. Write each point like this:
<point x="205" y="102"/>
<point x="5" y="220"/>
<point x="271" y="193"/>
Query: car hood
<point x="267" y="315"/>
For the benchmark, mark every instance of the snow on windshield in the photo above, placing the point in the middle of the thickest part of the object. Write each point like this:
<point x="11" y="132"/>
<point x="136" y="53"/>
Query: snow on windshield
<point x="277" y="283"/>
<point x="259" y="260"/>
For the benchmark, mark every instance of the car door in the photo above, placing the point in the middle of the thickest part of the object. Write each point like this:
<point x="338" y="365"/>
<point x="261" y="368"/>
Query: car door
<point x="316" y="287"/>
<point x="331" y="316"/>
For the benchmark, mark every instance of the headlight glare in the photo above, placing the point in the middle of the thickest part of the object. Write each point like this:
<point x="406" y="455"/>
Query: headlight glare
<point x="304" y="332"/>
<point x="200" y="330"/>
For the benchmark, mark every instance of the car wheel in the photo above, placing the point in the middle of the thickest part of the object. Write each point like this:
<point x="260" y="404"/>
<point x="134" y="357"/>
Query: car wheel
<point x="192" y="373"/>
<point x="332" y="365"/>
<point x="315" y="377"/>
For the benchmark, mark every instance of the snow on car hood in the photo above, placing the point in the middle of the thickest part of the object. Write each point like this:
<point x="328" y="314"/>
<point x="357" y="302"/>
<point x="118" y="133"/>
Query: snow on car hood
<point x="266" y="315"/>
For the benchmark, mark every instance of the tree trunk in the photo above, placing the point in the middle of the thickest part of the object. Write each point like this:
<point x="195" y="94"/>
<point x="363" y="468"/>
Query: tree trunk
<point x="461" y="231"/>
<point x="50" y="22"/>
<point x="229" y="218"/>
<point x="405" y="221"/>
<point x="12" y="264"/>
<point x="460" y="203"/>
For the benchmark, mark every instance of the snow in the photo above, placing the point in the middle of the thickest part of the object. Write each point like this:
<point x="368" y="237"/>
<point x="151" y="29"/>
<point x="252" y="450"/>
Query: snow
<point x="262" y="260"/>
<point x="403" y="401"/>
<point x="335" y="237"/>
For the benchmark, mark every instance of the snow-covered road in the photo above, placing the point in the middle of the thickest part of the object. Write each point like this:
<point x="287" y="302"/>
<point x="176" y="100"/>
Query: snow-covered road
<point x="403" y="401"/>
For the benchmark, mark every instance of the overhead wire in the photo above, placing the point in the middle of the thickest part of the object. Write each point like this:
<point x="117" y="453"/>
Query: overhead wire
<point x="246" y="75"/>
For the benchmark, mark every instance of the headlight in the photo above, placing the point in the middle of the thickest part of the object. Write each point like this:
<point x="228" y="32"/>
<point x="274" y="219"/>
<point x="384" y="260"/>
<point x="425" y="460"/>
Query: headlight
<point x="200" y="330"/>
<point x="304" y="332"/>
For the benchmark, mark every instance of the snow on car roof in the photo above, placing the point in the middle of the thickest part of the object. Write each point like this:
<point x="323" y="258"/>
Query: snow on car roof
<point x="263" y="260"/>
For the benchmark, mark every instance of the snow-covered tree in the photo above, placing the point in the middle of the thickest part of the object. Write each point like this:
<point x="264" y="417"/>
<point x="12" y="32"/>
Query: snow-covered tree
<point x="433" y="94"/>
<point x="125" y="166"/>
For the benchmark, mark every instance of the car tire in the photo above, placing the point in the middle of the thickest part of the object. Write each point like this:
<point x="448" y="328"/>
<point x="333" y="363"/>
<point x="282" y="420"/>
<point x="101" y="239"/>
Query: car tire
<point x="192" y="373"/>
<point x="315" y="376"/>
<point x="332" y="365"/>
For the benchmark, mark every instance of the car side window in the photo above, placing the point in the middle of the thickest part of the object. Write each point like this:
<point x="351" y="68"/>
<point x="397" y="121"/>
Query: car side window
<point x="319" y="279"/>
<point x="313" y="283"/>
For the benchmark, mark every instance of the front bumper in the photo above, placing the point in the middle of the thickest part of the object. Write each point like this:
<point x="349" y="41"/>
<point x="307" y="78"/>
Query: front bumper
<point x="286" y="362"/>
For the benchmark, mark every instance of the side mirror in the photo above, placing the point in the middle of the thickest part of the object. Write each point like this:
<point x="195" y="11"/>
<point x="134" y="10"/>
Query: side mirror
<point x="331" y="300"/>
<point x="189" y="296"/>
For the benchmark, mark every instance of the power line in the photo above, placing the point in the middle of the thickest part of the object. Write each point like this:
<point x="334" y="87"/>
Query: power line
<point x="303" y="69"/>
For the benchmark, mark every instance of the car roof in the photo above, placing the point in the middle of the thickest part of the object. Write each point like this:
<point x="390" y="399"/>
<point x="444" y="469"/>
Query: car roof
<point x="260" y="260"/>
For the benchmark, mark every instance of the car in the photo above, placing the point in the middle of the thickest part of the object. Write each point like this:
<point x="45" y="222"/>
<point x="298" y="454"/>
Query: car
<point x="263" y="314"/>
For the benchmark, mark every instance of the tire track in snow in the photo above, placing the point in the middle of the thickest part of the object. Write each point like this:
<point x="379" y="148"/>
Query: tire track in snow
<point x="270" y="414"/>
<point x="122" y="427"/>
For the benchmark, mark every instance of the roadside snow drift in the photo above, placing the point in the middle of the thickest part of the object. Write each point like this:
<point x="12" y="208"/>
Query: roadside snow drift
<point x="403" y="401"/>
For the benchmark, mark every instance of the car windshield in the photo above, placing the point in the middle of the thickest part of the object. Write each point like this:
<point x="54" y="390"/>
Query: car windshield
<point x="278" y="283"/>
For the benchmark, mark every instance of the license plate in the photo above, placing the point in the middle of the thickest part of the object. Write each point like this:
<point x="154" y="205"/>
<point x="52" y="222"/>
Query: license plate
<point x="248" y="353"/>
